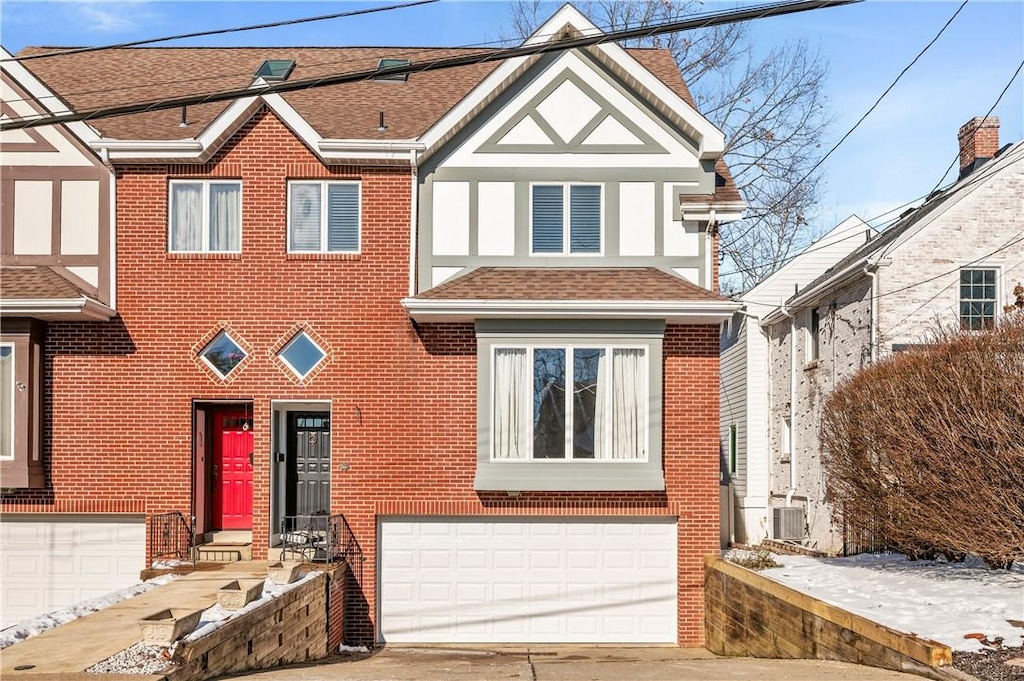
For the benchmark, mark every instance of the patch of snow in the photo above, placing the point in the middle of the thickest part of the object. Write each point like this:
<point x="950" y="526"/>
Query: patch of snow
<point x="170" y="564"/>
<point x="931" y="599"/>
<point x="352" y="649"/>
<point x="37" y="625"/>
<point x="216" y="617"/>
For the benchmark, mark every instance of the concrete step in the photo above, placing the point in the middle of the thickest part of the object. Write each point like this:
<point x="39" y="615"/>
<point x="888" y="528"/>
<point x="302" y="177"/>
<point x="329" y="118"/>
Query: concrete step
<point x="224" y="552"/>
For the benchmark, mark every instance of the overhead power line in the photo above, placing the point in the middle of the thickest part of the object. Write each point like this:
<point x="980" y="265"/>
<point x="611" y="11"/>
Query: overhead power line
<point x="761" y="218"/>
<point x="221" y="31"/>
<point x="699" y="21"/>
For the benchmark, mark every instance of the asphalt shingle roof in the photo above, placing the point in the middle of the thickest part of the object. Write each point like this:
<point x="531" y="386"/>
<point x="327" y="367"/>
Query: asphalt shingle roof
<point x="36" y="283"/>
<point x="580" y="283"/>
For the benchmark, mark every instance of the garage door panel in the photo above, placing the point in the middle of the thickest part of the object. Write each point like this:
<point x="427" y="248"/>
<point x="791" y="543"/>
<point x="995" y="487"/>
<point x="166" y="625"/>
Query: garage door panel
<point x="52" y="563"/>
<point x="512" y="581"/>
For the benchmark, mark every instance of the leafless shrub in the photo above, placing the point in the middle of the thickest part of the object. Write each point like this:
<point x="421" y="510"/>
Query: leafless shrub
<point x="927" y="447"/>
<point x="759" y="560"/>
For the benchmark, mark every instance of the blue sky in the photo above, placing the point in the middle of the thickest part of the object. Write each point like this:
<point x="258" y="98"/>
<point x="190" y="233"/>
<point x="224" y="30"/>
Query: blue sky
<point x="896" y="155"/>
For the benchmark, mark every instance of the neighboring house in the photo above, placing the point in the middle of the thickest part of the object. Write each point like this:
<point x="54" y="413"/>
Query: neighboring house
<point x="56" y="251"/>
<point x="745" y="446"/>
<point x="474" y="311"/>
<point x="952" y="261"/>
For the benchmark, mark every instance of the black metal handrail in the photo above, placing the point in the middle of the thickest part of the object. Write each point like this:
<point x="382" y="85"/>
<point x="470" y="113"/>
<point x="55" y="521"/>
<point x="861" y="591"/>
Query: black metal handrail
<point x="319" y="538"/>
<point x="171" y="535"/>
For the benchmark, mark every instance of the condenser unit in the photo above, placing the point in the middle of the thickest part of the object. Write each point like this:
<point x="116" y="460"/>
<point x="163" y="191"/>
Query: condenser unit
<point x="789" y="523"/>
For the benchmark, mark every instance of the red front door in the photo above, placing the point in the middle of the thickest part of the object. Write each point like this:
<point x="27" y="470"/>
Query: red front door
<point x="232" y="471"/>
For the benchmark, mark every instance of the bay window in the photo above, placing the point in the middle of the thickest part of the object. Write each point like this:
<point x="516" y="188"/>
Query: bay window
<point x="570" y="403"/>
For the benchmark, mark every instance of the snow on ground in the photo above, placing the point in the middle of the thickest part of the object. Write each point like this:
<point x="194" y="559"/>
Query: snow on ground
<point x="932" y="599"/>
<point x="37" y="625"/>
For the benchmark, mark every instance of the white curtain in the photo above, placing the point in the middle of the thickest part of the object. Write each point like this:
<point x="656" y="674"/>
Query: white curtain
<point x="186" y="217"/>
<point x="304" y="217"/>
<point x="601" y="439"/>
<point x="225" y="217"/>
<point x="513" y="412"/>
<point x="628" y="403"/>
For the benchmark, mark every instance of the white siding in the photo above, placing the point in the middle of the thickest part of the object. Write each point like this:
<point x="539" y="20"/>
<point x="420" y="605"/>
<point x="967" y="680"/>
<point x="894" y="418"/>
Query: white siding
<point x="451" y="218"/>
<point x="636" y="218"/>
<point x="496" y="218"/>
<point x="33" y="217"/>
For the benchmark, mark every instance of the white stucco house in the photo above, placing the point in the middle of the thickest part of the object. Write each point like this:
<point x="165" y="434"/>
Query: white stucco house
<point x="849" y="299"/>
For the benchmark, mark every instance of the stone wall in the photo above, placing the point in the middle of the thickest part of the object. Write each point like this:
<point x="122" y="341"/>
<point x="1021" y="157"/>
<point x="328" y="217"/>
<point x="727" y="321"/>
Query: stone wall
<point x="750" y="615"/>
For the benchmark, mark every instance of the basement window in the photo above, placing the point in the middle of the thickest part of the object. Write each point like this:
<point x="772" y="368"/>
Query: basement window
<point x="275" y="69"/>
<point x="385" y="64"/>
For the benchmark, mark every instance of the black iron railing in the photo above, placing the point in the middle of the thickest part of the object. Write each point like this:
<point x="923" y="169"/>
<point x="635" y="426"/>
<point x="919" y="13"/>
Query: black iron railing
<point x="171" y="536"/>
<point x="319" y="538"/>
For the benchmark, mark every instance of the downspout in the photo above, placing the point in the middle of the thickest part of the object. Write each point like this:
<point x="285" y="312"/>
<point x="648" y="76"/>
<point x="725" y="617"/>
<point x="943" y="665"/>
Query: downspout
<point x="792" y="408"/>
<point x="709" y="236"/>
<point x="871" y="269"/>
<point x="413" y="210"/>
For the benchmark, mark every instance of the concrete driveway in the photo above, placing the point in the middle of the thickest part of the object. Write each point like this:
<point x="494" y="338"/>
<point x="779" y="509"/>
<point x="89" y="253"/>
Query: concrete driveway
<point x="562" y="663"/>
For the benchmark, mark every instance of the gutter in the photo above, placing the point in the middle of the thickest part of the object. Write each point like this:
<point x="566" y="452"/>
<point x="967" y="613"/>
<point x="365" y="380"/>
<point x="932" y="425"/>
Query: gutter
<point x="693" y="312"/>
<point x="85" y="308"/>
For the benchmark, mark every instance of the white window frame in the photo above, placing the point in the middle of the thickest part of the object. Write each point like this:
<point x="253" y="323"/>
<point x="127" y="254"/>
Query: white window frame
<point x="997" y="308"/>
<point x="570" y="413"/>
<point x="205" y="212"/>
<point x="280" y="353"/>
<point x="812" y="345"/>
<point x="324" y="184"/>
<point x="566" y="245"/>
<point x="202" y="354"/>
<point x="13" y="396"/>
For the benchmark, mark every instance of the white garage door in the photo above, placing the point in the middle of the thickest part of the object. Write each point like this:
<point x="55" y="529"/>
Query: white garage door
<point x="53" y="562"/>
<point x="464" y="581"/>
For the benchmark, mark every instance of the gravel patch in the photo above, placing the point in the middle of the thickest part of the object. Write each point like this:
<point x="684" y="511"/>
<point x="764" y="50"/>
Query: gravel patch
<point x="139" y="659"/>
<point x="991" y="665"/>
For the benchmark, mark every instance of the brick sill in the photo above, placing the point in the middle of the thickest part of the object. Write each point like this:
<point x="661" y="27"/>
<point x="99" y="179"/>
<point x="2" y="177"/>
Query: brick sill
<point x="355" y="257"/>
<point x="204" y="256"/>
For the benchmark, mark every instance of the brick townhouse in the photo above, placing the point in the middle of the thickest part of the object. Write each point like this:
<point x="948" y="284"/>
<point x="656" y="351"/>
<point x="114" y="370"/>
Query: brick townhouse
<point x="473" y="311"/>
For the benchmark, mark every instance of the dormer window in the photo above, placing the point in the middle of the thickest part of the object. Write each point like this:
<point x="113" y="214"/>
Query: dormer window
<point x="387" y="63"/>
<point x="275" y="70"/>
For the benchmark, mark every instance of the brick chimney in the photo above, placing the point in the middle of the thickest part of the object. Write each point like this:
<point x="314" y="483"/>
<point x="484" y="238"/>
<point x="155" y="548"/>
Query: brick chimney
<point x="979" y="142"/>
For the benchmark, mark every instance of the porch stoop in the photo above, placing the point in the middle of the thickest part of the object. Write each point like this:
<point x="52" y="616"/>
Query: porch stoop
<point x="229" y="546"/>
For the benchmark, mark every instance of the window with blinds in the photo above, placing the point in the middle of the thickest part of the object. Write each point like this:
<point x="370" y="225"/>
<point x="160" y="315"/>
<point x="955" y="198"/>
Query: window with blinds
<point x="566" y="218"/>
<point x="323" y="217"/>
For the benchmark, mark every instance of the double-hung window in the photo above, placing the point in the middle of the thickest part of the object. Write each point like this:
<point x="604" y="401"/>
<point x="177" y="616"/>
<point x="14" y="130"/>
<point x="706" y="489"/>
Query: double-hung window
<point x="977" y="298"/>
<point x="570" y="402"/>
<point x="323" y="217"/>
<point x="566" y="218"/>
<point x="205" y="216"/>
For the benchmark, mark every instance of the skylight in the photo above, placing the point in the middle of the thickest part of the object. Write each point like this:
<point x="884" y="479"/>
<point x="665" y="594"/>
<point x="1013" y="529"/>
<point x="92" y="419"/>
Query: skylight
<point x="384" y="64"/>
<point x="275" y="69"/>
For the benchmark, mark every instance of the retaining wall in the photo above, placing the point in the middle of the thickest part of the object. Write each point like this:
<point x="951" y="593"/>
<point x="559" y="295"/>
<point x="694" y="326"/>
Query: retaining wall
<point x="747" y="614"/>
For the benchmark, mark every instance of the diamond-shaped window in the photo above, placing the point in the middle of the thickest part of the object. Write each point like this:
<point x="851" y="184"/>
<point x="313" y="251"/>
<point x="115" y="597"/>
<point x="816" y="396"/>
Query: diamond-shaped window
<point x="301" y="354"/>
<point x="223" y="354"/>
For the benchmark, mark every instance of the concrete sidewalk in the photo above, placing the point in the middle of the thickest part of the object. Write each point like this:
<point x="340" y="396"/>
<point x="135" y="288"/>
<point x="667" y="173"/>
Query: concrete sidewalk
<point x="77" y="645"/>
<point x="565" y="663"/>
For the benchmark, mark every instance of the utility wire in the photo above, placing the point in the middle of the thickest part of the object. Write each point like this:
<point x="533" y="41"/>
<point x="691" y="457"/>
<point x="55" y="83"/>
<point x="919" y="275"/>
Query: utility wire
<point x="221" y="31"/>
<point x="778" y="203"/>
<point x="702" y="21"/>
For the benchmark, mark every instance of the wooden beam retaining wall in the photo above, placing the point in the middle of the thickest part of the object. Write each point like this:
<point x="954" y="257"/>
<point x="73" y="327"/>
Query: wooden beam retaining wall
<point x="747" y="614"/>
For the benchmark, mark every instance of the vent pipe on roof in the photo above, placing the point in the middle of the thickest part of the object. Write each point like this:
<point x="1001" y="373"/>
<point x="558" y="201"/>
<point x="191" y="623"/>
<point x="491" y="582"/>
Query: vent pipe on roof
<point x="184" y="117"/>
<point x="380" y="125"/>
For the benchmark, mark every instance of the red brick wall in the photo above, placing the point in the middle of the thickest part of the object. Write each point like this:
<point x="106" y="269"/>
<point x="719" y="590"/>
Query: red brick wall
<point x="403" y="400"/>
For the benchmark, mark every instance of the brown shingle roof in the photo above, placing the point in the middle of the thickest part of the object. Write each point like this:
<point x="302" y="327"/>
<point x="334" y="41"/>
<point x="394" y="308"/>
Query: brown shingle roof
<point x="36" y="283"/>
<point x="92" y="80"/>
<point x="606" y="283"/>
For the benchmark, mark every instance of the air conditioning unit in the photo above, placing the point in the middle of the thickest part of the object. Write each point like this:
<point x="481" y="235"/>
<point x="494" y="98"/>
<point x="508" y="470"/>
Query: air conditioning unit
<point x="789" y="523"/>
